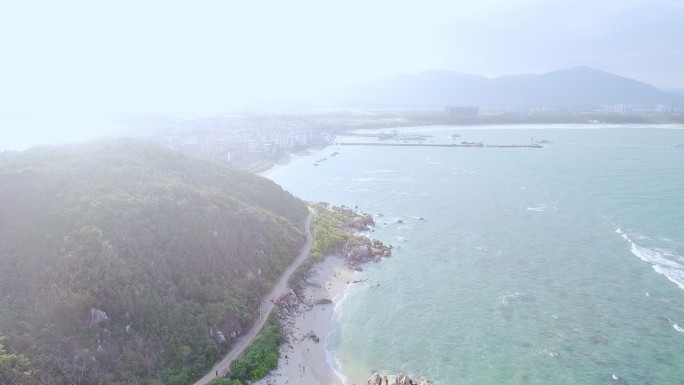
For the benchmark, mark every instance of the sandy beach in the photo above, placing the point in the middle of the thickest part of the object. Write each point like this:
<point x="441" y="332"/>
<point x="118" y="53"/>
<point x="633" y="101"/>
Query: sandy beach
<point x="302" y="359"/>
<point x="293" y="156"/>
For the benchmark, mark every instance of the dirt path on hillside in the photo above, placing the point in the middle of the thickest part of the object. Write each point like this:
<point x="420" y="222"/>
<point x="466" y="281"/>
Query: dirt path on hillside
<point x="266" y="306"/>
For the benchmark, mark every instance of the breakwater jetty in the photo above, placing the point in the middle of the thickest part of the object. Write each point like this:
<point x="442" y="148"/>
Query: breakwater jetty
<point x="465" y="144"/>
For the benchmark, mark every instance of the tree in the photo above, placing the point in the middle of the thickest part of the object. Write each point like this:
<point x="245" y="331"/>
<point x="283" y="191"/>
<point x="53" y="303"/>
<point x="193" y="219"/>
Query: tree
<point x="15" y="369"/>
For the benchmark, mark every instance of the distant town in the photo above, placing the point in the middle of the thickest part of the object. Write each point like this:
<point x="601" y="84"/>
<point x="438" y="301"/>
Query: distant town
<point x="256" y="141"/>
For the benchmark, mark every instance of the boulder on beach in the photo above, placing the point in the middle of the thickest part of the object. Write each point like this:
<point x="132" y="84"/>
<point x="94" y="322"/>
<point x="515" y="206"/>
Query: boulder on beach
<point x="323" y="301"/>
<point x="311" y="335"/>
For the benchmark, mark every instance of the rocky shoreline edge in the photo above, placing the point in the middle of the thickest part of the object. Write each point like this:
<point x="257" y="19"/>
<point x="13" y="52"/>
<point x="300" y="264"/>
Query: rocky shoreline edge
<point x="393" y="379"/>
<point x="306" y="311"/>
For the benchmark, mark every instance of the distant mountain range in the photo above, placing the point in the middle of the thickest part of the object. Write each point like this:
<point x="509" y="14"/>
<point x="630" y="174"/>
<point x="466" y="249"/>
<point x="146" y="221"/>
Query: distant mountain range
<point x="578" y="86"/>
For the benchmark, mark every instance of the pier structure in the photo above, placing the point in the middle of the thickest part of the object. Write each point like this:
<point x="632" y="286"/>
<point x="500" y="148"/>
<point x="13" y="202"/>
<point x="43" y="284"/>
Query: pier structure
<point x="464" y="144"/>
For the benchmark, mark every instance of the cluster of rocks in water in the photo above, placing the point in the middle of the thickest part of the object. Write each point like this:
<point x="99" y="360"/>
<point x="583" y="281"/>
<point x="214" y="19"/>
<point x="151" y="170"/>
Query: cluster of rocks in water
<point x="357" y="221"/>
<point x="365" y="249"/>
<point x="391" y="379"/>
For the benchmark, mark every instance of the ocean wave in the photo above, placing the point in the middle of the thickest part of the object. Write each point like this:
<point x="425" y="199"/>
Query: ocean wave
<point x="678" y="328"/>
<point x="542" y="207"/>
<point x="662" y="260"/>
<point x="675" y="276"/>
<point x="505" y="300"/>
<point x="330" y="357"/>
<point x="332" y="339"/>
<point x="342" y="297"/>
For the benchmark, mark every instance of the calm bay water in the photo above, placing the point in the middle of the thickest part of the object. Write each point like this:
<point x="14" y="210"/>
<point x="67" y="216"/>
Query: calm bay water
<point x="560" y="265"/>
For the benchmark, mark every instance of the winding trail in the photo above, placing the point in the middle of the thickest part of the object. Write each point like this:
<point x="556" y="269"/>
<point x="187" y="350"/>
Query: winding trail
<point x="280" y="287"/>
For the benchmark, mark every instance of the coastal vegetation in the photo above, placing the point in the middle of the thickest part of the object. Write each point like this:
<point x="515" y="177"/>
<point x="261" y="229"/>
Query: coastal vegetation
<point x="260" y="357"/>
<point x="126" y="263"/>
<point x="14" y="368"/>
<point x="329" y="231"/>
<point x="334" y="230"/>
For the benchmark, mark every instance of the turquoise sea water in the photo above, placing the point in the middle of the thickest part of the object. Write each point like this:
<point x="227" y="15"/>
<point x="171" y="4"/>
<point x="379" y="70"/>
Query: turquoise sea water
<point x="560" y="265"/>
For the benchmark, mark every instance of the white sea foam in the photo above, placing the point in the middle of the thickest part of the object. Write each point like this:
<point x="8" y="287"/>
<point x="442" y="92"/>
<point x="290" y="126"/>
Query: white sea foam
<point x="678" y="328"/>
<point x="654" y="256"/>
<point x="676" y="276"/>
<point x="338" y="300"/>
<point x="506" y="297"/>
<point x="365" y="180"/>
<point x="542" y="207"/>
<point x="330" y="358"/>
<point x="660" y="259"/>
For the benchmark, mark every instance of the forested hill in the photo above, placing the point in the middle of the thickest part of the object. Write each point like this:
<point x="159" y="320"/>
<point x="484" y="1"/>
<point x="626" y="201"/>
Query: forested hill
<point x="118" y="258"/>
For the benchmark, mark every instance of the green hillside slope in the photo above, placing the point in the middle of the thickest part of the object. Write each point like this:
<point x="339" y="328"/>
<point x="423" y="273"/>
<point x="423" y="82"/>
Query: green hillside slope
<point x="117" y="260"/>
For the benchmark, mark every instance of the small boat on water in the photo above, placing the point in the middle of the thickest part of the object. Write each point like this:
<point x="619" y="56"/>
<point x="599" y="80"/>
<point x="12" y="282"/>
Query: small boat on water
<point x="454" y="136"/>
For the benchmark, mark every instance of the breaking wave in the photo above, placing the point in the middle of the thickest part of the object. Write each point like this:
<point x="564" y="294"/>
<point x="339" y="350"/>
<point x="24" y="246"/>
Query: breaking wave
<point x="662" y="260"/>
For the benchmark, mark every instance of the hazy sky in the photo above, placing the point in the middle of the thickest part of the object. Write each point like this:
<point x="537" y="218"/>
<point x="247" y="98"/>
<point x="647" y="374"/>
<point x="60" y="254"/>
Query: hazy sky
<point x="194" y="55"/>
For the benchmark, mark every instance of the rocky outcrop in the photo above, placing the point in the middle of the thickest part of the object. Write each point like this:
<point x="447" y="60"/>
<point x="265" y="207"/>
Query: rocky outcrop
<point x="359" y="253"/>
<point x="368" y="250"/>
<point x="97" y="317"/>
<point x="362" y="222"/>
<point x="375" y="379"/>
<point x="392" y="379"/>
<point x="288" y="302"/>
<point x="220" y="337"/>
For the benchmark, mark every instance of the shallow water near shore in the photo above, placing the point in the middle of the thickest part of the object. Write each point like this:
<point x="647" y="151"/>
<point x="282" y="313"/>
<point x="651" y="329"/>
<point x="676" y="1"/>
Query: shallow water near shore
<point x="559" y="265"/>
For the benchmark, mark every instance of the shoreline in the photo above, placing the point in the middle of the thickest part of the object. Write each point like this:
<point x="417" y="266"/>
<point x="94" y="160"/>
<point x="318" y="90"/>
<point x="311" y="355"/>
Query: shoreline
<point x="303" y="360"/>
<point x="291" y="157"/>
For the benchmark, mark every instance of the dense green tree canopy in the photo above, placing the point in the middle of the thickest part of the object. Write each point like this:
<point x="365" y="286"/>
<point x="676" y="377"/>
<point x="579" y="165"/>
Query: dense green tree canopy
<point x="168" y="247"/>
